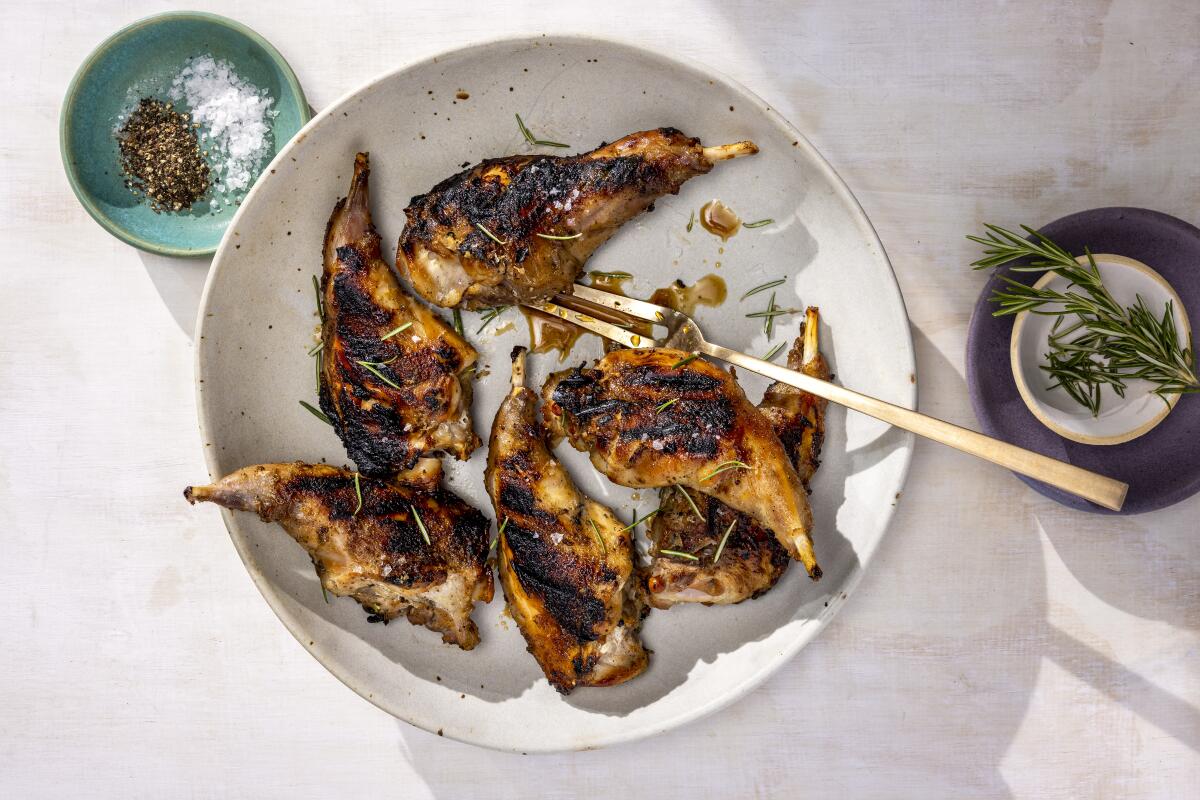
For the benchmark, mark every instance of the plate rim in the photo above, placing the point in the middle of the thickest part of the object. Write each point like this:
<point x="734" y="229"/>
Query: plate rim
<point x="807" y="632"/>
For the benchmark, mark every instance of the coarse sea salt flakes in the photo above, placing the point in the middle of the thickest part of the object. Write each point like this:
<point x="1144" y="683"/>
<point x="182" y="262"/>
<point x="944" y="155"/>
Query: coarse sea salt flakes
<point x="235" y="117"/>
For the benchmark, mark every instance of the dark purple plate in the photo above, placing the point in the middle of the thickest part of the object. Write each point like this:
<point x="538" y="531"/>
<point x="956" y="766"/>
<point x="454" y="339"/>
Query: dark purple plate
<point x="1162" y="466"/>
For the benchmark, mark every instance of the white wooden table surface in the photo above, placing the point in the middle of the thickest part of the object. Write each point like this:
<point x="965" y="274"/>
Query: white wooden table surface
<point x="999" y="645"/>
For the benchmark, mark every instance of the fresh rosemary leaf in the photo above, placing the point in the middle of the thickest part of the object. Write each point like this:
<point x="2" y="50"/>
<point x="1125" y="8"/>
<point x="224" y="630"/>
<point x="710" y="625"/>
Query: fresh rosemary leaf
<point x="530" y="138"/>
<point x="394" y="331"/>
<point x="599" y="538"/>
<point x="324" y="593"/>
<point x="358" y="493"/>
<point x="489" y="315"/>
<point x="500" y="530"/>
<point x="558" y="238"/>
<point x="320" y="300"/>
<point x="316" y="412"/>
<point x="420" y="524"/>
<point x="763" y="287"/>
<point x="458" y="326"/>
<point x="687" y="496"/>
<point x="638" y="521"/>
<point x="679" y="554"/>
<point x="774" y="351"/>
<point x="691" y="221"/>
<point x="757" y="223"/>
<point x="369" y="366"/>
<point x="490" y="235"/>
<point x="318" y="348"/>
<point x="684" y="361"/>
<point x="616" y="275"/>
<point x="667" y="405"/>
<point x="724" y="466"/>
<point x="725" y="538"/>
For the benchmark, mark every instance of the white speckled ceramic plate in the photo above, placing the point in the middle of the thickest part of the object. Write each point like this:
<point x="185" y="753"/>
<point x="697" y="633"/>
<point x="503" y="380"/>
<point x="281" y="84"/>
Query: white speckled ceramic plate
<point x="257" y="319"/>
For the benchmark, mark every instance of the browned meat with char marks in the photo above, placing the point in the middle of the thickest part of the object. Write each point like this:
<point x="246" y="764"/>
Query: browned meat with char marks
<point x="390" y="367"/>
<point x="566" y="562"/>
<point x="654" y="417"/>
<point x="375" y="550"/>
<point x="481" y="237"/>
<point x="751" y="560"/>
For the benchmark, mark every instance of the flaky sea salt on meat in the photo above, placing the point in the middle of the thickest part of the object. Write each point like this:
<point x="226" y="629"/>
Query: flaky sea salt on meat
<point x="235" y="117"/>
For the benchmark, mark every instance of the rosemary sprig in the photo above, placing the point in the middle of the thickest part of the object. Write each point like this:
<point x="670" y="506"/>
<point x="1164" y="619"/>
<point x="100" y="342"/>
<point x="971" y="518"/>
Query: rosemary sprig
<point x="685" y="361"/>
<point x="762" y="287"/>
<point x="638" y="521"/>
<point x="489" y="315"/>
<point x="690" y="501"/>
<point x="358" y="494"/>
<point x="725" y="538"/>
<point x="691" y="221"/>
<point x="458" y="326"/>
<point x="1095" y="341"/>
<point x="490" y="235"/>
<point x="529" y="137"/>
<point x="316" y="412"/>
<point x="371" y="366"/>
<point x="320" y="300"/>
<point x="774" y="351"/>
<point x="420" y="524"/>
<point x="678" y="554"/>
<point x="666" y="405"/>
<point x="599" y="538"/>
<point x="558" y="238"/>
<point x="757" y="223"/>
<point x="394" y="331"/>
<point x="725" y="466"/>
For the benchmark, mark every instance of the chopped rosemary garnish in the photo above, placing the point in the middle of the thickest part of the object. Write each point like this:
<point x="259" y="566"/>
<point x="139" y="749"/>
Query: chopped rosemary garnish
<point x="725" y="466"/>
<point x="358" y="493"/>
<point x="324" y="593"/>
<point x="320" y="300"/>
<point x="458" y="326"/>
<point x="774" y="351"/>
<point x="316" y="412"/>
<point x="599" y="538"/>
<point x="757" y="223"/>
<point x="500" y="530"/>
<point x="691" y="221"/>
<point x="318" y="348"/>
<point x="1117" y="343"/>
<point x="489" y="315"/>
<point x="616" y="275"/>
<point x="638" y="521"/>
<point x="763" y="287"/>
<point x="725" y="538"/>
<point x="683" y="361"/>
<point x="667" y="405"/>
<point x="770" y="314"/>
<point x="558" y="238"/>
<point x="394" y="331"/>
<point x="420" y="524"/>
<point x="490" y="235"/>
<point x="690" y="501"/>
<point x="679" y="554"/>
<point x="318" y="362"/>
<point x="769" y="322"/>
<point x="369" y="366"/>
<point x="530" y="138"/>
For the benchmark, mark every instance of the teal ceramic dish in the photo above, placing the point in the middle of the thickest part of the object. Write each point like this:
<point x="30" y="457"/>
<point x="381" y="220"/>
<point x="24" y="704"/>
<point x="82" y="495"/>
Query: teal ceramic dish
<point x="149" y="53"/>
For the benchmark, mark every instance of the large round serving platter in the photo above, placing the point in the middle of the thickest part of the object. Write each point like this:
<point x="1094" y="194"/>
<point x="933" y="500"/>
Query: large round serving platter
<point x="421" y="124"/>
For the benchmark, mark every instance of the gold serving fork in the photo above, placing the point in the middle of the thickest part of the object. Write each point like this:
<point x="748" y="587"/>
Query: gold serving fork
<point x="684" y="334"/>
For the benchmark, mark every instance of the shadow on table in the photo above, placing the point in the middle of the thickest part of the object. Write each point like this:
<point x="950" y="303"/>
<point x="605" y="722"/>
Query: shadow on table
<point x="179" y="282"/>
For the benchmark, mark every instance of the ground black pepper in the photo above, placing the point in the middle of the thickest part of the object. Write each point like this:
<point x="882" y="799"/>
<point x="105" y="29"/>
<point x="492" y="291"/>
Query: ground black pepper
<point x="161" y="157"/>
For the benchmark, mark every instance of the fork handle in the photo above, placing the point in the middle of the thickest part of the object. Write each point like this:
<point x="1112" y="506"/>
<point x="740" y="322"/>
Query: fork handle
<point x="1103" y="491"/>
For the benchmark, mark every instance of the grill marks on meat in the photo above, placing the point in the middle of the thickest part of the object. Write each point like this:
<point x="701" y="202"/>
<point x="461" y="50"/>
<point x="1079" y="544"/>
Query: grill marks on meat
<point x="566" y="561"/>
<point x="377" y="553"/>
<point x="612" y="412"/>
<point x="451" y="260"/>
<point x="419" y="405"/>
<point x="752" y="560"/>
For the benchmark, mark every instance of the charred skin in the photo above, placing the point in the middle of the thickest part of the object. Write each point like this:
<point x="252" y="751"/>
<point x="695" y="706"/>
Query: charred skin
<point x="420" y="405"/>
<point x="451" y="260"/>
<point x="565" y="561"/>
<point x="615" y="412"/>
<point x="376" y="554"/>
<point x="752" y="560"/>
